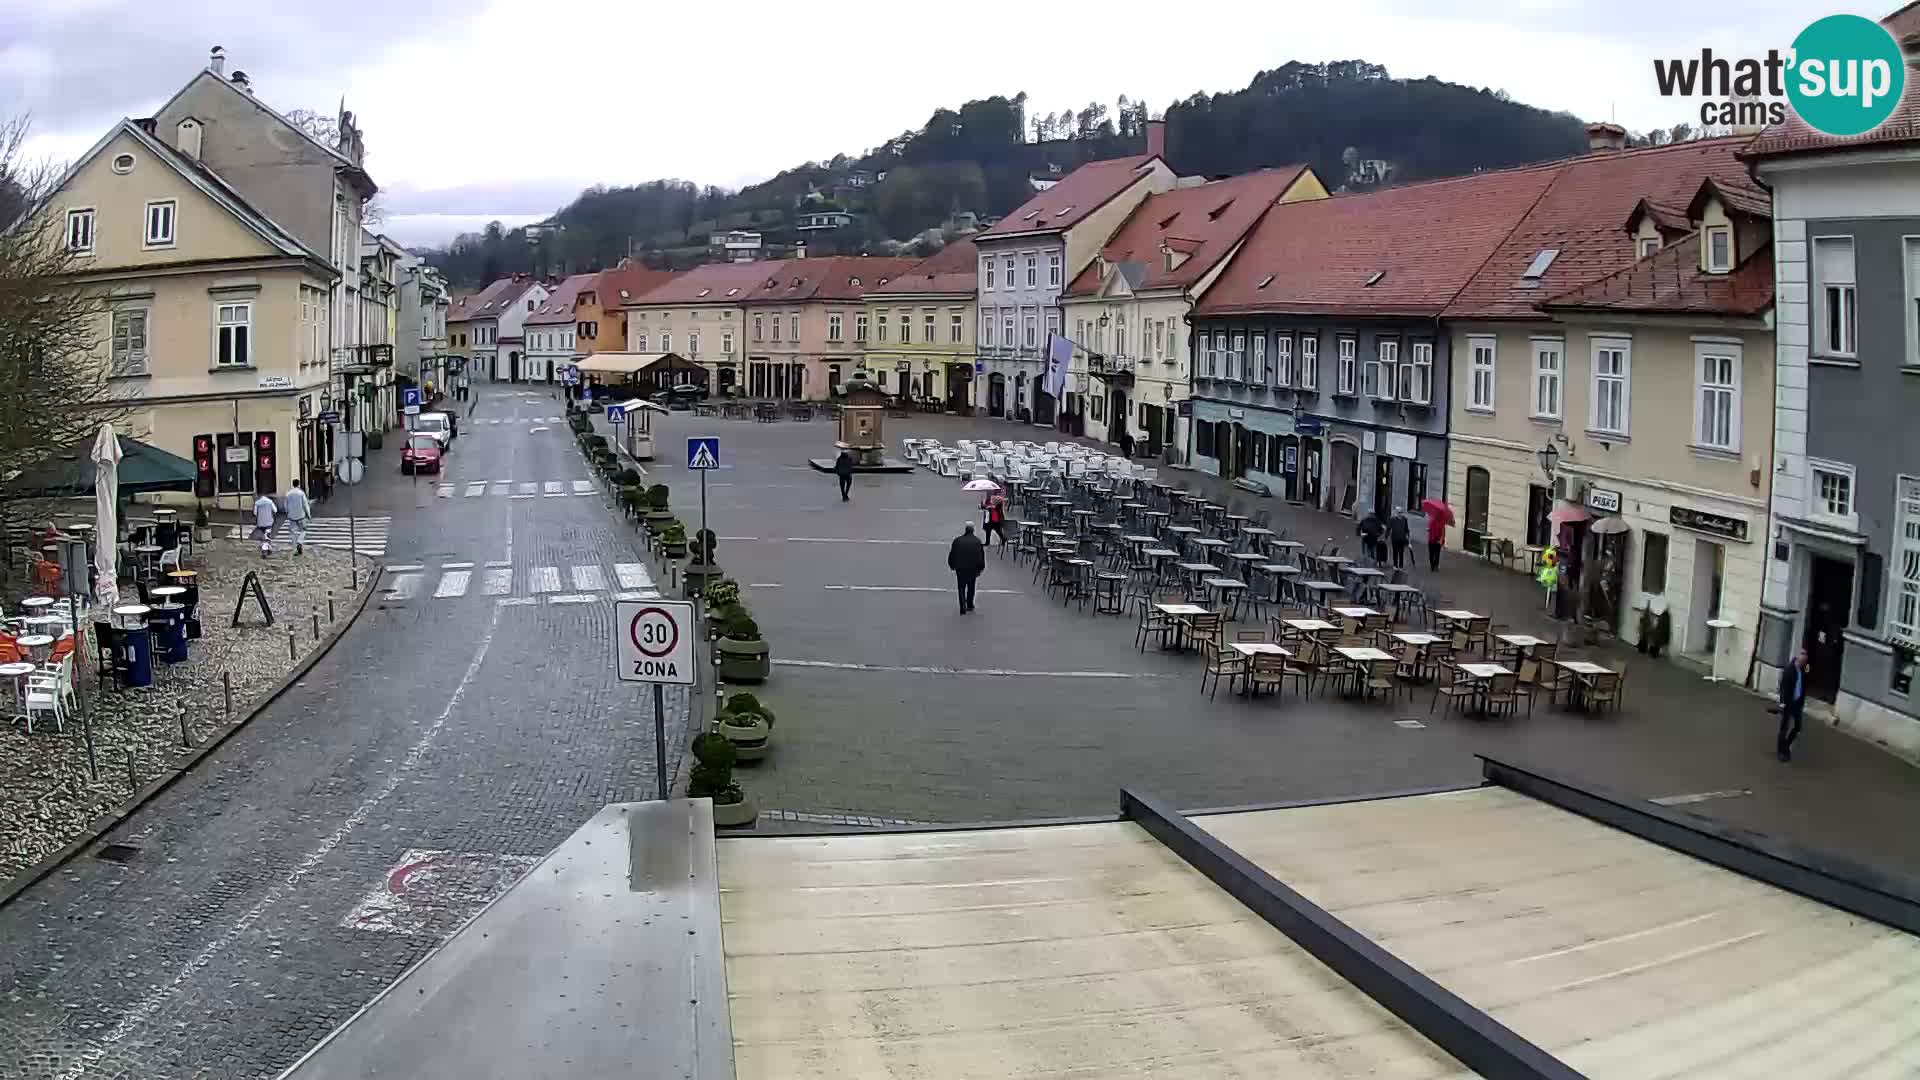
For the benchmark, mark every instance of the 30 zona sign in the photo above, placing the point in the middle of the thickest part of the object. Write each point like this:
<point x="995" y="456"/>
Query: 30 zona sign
<point x="653" y="641"/>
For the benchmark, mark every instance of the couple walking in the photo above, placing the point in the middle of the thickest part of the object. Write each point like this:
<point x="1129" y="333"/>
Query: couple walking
<point x="299" y="512"/>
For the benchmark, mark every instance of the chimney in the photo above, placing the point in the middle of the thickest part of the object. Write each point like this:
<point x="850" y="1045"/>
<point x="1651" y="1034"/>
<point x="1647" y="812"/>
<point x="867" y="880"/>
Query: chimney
<point x="800" y="250"/>
<point x="217" y="61"/>
<point x="1605" y="136"/>
<point x="1156" y="138"/>
<point x="242" y="83"/>
<point x="187" y="138"/>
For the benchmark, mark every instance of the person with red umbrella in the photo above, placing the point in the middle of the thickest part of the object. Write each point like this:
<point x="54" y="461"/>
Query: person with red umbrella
<point x="1439" y="516"/>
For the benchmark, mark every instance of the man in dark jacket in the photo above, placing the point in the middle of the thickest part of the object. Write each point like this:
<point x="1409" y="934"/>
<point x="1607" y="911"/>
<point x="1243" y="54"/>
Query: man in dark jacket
<point x="1793" y="704"/>
<point x="967" y="559"/>
<point x="843" y="468"/>
<point x="1370" y="530"/>
<point x="1397" y="530"/>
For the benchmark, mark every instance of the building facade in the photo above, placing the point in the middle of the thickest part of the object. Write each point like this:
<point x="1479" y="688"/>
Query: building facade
<point x="1026" y="260"/>
<point x="422" y="349"/>
<point x="696" y="314"/>
<point x="1843" y="577"/>
<point x="917" y="330"/>
<point x="490" y="322"/>
<point x="1126" y="312"/>
<point x="214" y="319"/>
<point x="373" y="404"/>
<point x="554" y="334"/>
<point x="801" y="323"/>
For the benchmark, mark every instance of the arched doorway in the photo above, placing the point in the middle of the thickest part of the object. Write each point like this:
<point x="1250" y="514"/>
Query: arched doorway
<point x="1342" y="474"/>
<point x="1479" y="489"/>
<point x="513" y="367"/>
<point x="1286" y="462"/>
<point x="1020" y="396"/>
<point x="959" y="381"/>
<point x="996" y="394"/>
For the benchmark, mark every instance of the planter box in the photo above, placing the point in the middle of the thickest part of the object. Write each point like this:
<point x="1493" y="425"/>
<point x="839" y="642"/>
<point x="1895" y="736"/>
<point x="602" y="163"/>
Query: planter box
<point x="675" y="551"/>
<point x="744" y="661"/>
<point x="749" y="739"/>
<point x="735" y="815"/>
<point x="658" y="519"/>
<point x="698" y="574"/>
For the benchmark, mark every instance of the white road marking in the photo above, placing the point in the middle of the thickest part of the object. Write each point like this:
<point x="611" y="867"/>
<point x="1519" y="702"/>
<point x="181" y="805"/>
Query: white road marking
<point x="453" y="583"/>
<point x="588" y="578"/>
<point x="1701" y="796"/>
<point x="516" y="601"/>
<point x="765" y="585"/>
<point x="403" y="587"/>
<point x="904" y="510"/>
<point x="143" y="1010"/>
<point x="456" y="566"/>
<point x="525" y="490"/>
<point x="741" y="539"/>
<point x="544" y="579"/>
<point x="531" y="430"/>
<point x="444" y="491"/>
<point x="572" y="598"/>
<point x="477" y="487"/>
<point x="553" y="489"/>
<point x="643" y="594"/>
<point x="404" y="568"/>
<point x="632" y="575"/>
<point x="498" y="563"/>
<point x="497" y="581"/>
<point x="1001" y="672"/>
<point x="583" y="487"/>
<point x="910" y="588"/>
<point x="854" y="540"/>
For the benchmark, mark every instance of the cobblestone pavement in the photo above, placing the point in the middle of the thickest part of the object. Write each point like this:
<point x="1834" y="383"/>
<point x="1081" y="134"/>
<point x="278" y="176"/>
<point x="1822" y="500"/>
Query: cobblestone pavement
<point x="47" y="793"/>
<point x="435" y="735"/>
<point x="891" y="704"/>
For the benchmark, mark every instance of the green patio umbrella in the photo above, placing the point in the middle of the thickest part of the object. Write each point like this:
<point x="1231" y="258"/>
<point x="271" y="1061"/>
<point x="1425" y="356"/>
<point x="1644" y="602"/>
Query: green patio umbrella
<point x="71" y="472"/>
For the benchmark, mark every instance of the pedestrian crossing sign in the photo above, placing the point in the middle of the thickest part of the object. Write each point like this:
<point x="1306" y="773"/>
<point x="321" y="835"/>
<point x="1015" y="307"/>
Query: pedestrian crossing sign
<point x="703" y="452"/>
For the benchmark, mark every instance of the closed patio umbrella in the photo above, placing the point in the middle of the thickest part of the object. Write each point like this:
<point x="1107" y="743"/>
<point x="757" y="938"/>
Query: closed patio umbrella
<point x="106" y="457"/>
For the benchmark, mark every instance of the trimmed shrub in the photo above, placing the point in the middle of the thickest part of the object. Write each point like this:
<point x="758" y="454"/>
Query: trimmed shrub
<point x="657" y="496"/>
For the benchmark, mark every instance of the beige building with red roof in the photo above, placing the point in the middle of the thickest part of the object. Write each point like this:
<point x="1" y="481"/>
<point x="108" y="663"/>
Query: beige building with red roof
<point x="1126" y="311"/>
<point x="802" y="317"/>
<point x="696" y="314"/>
<point x="917" y="329"/>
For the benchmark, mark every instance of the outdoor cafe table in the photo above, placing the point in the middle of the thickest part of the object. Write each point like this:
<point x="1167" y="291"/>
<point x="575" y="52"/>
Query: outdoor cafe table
<point x="1584" y="668"/>
<point x="1159" y="555"/>
<point x="1418" y="641"/>
<point x="1224" y="588"/>
<point x="1207" y="545"/>
<point x="38" y="605"/>
<point x="1354" y="613"/>
<point x="1259" y="533"/>
<point x="13" y="673"/>
<point x="1361" y="655"/>
<point x="1179" y="613"/>
<point x="1324" y="588"/>
<point x="1480" y="673"/>
<point x="1456" y="615"/>
<point x="1245" y="560"/>
<point x="1279" y="572"/>
<point x="1520" y="643"/>
<point x="1251" y="649"/>
<point x="1286" y="545"/>
<point x="38" y="646"/>
<point x="1309" y="627"/>
<point x="1197" y="572"/>
<point x="1401" y="595"/>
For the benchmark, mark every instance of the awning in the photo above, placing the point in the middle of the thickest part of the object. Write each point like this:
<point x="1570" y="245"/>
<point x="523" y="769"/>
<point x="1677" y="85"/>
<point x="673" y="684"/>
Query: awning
<point x="143" y="468"/>
<point x="628" y="363"/>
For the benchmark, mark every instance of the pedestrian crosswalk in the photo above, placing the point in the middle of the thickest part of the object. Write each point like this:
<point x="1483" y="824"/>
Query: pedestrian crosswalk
<point x="366" y="535"/>
<point x="515" y="420"/>
<point x="580" y="583"/>
<point x="512" y="489"/>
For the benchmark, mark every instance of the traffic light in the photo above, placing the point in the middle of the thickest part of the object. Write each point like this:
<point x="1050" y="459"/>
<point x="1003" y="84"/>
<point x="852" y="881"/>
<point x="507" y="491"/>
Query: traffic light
<point x="203" y="466"/>
<point x="264" y="480"/>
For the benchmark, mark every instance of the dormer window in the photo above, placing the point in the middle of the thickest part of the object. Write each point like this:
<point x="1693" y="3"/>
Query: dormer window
<point x="1537" y="269"/>
<point x="1648" y="245"/>
<point x="1719" y="242"/>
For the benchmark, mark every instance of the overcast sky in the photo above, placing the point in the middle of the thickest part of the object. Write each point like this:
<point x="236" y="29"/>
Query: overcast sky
<point x="476" y="110"/>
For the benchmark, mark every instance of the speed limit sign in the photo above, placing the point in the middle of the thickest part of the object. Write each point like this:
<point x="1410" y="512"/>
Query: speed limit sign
<point x="654" y="641"/>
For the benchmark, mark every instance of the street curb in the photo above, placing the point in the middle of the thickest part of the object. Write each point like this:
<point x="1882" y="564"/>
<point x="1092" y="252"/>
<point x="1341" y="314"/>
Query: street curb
<point x="177" y="769"/>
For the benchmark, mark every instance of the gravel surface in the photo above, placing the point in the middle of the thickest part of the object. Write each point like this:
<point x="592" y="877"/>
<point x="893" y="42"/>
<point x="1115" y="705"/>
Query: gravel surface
<point x="46" y="794"/>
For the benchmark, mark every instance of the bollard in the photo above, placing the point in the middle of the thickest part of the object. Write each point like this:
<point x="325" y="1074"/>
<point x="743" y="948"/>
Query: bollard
<point x="133" y="781"/>
<point x="330" y="614"/>
<point x="673" y="576"/>
<point x="316" y="624"/>
<point x="186" y="740"/>
<point x="226" y="688"/>
<point x="293" y="648"/>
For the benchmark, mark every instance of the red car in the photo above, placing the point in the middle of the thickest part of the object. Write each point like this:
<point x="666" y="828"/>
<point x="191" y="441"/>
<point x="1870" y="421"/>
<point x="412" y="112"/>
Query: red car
<point x="420" y="454"/>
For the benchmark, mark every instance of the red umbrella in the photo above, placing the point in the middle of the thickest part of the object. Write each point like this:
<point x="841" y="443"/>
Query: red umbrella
<point x="1435" y="508"/>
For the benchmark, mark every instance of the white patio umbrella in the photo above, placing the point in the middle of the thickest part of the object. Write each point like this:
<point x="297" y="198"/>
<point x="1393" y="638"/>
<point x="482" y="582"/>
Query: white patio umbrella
<point x="981" y="484"/>
<point x="106" y="529"/>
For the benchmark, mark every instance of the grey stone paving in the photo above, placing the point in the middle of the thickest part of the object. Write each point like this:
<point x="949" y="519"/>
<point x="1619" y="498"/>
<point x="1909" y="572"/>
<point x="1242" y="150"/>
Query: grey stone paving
<point x="218" y="950"/>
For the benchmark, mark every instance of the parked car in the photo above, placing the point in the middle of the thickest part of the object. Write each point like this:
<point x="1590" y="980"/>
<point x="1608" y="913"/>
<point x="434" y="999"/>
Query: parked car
<point x="422" y="453"/>
<point x="681" y="397"/>
<point x="438" y="425"/>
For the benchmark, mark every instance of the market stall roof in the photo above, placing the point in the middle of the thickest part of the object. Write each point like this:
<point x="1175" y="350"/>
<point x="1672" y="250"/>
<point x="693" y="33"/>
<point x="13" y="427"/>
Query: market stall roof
<point x="629" y="363"/>
<point x="143" y="468"/>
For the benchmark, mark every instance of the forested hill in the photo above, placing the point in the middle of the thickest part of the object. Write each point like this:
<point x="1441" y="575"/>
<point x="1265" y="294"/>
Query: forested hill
<point x="1350" y="120"/>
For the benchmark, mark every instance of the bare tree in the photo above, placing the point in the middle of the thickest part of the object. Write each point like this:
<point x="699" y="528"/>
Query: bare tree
<point x="55" y="383"/>
<point x="325" y="130"/>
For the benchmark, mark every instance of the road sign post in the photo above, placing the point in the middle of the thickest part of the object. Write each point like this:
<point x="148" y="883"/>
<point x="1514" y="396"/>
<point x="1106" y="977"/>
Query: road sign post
<point x="653" y="643"/>
<point x="703" y="455"/>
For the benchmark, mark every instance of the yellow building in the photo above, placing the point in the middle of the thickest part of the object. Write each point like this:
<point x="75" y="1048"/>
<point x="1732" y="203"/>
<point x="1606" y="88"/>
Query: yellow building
<point x="214" y="319"/>
<point x="917" y="329"/>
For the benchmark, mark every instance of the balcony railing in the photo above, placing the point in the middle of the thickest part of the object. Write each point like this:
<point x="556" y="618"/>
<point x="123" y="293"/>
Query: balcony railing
<point x="1107" y="366"/>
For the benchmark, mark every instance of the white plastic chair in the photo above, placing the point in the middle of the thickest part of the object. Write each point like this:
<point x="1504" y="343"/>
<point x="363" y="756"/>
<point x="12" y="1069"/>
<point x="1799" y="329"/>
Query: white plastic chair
<point x="44" y="698"/>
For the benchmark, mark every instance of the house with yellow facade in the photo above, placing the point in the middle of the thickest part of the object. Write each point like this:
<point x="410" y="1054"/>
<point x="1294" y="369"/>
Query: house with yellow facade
<point x="213" y="320"/>
<point x="917" y="329"/>
<point x="802" y="317"/>
<point x="696" y="314"/>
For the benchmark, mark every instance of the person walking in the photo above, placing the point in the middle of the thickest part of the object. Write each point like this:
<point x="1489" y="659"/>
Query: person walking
<point x="263" y="513"/>
<point x="1793" y="704"/>
<point x="298" y="511"/>
<point x="1370" y="530"/>
<point x="1437" y="523"/>
<point x="967" y="558"/>
<point x="843" y="468"/>
<point x="1397" y="531"/>
<point x="993" y="510"/>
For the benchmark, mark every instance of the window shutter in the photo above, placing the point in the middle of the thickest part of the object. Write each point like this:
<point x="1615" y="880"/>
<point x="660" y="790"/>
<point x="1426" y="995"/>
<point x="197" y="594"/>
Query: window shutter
<point x="1833" y="261"/>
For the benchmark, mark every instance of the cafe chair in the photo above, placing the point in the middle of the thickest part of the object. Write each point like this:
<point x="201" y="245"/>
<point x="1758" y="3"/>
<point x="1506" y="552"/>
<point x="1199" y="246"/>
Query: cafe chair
<point x="1554" y="680"/>
<point x="1502" y="694"/>
<point x="1222" y="663"/>
<point x="1448" y="684"/>
<point x="1602" y="691"/>
<point x="1308" y="663"/>
<point x="1377" y="675"/>
<point x="1267" y="670"/>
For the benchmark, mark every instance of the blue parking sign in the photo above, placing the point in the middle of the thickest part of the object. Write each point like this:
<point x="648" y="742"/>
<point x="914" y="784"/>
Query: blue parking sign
<point x="703" y="452"/>
<point x="410" y="396"/>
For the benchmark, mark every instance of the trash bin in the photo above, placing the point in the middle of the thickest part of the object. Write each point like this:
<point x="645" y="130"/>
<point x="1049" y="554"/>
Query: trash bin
<point x="139" y="656"/>
<point x="169" y="624"/>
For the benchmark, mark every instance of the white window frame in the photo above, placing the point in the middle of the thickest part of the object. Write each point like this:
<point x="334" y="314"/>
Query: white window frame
<point x="1383" y="371"/>
<point x="170" y="218"/>
<point x="1006" y="266"/>
<point x="986" y="274"/>
<point x="131" y="361"/>
<point x="241" y="330"/>
<point x="1212" y="343"/>
<point x="835" y="326"/>
<point x="1006" y="327"/>
<point x="1647" y="245"/>
<point x="1260" y="374"/>
<point x="1032" y="337"/>
<point x="793" y="324"/>
<point x="1544" y="377"/>
<point x="1310" y="362"/>
<point x="929" y="328"/>
<point x="1033" y="270"/>
<point x="956" y="327"/>
<point x="1053" y="269"/>
<point x="1715" y="232"/>
<point x="759" y="328"/>
<point x="1053" y="323"/>
<point x="1903" y="579"/>
<point x="1346" y="375"/>
<point x="726" y="343"/>
<point x="1910" y="264"/>
<point x="1704" y="391"/>
<point x="1237" y="358"/>
<point x="1119" y="338"/>
<point x="880" y="327"/>
<point x="1418" y="373"/>
<point x="986" y="329"/>
<point x="1827" y="295"/>
<point x="666" y="341"/>
<point x="80" y="230"/>
<point x="860" y="327"/>
<point x="693" y="343"/>
<point x="640" y="342"/>
<point x="1848" y="517"/>
<point x="1283" y="360"/>
<point x="1599" y="380"/>
<point x="1482" y="379"/>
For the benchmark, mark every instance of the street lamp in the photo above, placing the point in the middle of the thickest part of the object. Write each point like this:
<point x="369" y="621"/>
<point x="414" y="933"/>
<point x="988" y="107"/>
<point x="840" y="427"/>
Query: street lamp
<point x="1549" y="459"/>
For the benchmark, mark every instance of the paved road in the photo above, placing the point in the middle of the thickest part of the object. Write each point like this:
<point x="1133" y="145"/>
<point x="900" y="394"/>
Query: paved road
<point x="273" y="891"/>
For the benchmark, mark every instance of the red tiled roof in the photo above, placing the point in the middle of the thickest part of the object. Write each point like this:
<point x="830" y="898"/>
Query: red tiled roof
<point x="1669" y="220"/>
<point x="1204" y="222"/>
<point x="1670" y="281"/>
<point x="1424" y="240"/>
<point x="1066" y="203"/>
<point x="712" y="283"/>
<point x="1904" y="25"/>
<point x="953" y="269"/>
<point x="1580" y="216"/>
<point x="834" y="277"/>
<point x="557" y="308"/>
<point x="491" y="301"/>
<point x="1793" y="136"/>
<point x="627" y="283"/>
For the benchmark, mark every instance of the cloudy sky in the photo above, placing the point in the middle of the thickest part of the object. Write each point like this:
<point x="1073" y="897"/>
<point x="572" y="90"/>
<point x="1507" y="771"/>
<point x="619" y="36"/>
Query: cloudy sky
<point x="476" y="110"/>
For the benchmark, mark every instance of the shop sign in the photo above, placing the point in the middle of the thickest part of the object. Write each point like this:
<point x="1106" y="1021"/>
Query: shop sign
<point x="306" y="406"/>
<point x="275" y="382"/>
<point x="1722" y="525"/>
<point x="1401" y="445"/>
<point x="1605" y="500"/>
<point x="1307" y="425"/>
